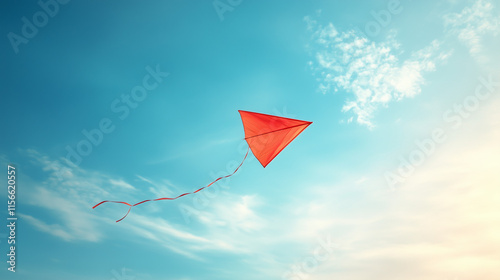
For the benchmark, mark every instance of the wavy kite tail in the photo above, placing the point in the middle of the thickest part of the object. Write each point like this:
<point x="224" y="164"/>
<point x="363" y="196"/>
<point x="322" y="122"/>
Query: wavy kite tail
<point x="171" y="198"/>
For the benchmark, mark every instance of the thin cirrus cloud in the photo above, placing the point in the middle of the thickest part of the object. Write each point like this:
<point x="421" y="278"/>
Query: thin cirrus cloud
<point x="375" y="74"/>
<point x="68" y="192"/>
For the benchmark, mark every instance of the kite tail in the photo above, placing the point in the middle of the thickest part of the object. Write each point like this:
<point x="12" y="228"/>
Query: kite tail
<point x="171" y="198"/>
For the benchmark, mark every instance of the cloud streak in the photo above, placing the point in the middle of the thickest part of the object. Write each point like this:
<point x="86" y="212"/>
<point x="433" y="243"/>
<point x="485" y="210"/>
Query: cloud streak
<point x="68" y="192"/>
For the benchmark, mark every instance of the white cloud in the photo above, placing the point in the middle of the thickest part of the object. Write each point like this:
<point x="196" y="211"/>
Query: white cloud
<point x="56" y="230"/>
<point x="74" y="220"/>
<point x="121" y="183"/>
<point x="472" y="24"/>
<point x="231" y="213"/>
<point x="371" y="71"/>
<point x="165" y="234"/>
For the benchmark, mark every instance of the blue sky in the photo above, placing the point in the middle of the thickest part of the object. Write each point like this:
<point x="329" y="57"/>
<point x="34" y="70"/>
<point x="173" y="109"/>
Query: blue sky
<point x="396" y="178"/>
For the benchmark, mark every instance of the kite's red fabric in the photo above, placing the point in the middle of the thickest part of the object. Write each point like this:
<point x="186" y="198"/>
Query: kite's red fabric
<point x="268" y="135"/>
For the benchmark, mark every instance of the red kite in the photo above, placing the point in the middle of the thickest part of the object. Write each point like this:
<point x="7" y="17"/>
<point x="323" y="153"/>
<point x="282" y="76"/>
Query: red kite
<point x="266" y="136"/>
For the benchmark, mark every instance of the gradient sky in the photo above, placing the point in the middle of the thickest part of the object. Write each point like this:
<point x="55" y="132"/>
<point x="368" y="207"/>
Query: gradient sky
<point x="397" y="175"/>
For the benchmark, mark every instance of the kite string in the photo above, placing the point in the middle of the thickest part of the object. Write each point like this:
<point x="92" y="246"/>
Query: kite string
<point x="172" y="198"/>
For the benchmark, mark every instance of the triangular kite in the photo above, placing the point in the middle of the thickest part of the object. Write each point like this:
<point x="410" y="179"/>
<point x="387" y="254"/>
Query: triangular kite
<point x="266" y="136"/>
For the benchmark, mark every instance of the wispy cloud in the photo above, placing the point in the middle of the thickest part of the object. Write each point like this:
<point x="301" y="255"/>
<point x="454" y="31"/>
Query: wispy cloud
<point x="68" y="192"/>
<point x="472" y="24"/>
<point x="372" y="71"/>
<point x="165" y="234"/>
<point x="233" y="213"/>
<point x="121" y="183"/>
<point x="164" y="188"/>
